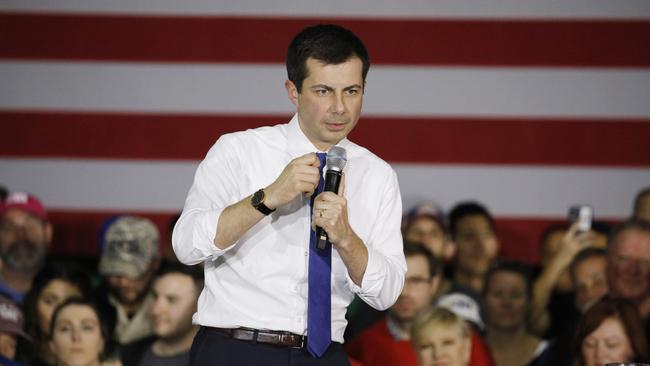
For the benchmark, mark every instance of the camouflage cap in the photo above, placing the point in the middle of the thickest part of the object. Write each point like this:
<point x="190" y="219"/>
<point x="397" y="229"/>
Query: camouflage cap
<point x="131" y="245"/>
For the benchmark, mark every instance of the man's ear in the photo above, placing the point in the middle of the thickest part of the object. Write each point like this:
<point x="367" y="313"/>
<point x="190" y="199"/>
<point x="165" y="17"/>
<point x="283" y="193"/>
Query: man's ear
<point x="435" y="285"/>
<point x="292" y="92"/>
<point x="48" y="233"/>
<point x="448" y="251"/>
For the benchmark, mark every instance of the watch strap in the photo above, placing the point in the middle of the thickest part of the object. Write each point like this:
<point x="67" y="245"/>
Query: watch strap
<point x="260" y="206"/>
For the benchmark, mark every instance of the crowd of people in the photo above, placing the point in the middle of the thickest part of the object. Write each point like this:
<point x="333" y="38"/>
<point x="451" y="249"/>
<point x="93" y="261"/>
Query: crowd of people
<point x="132" y="309"/>
<point x="587" y="303"/>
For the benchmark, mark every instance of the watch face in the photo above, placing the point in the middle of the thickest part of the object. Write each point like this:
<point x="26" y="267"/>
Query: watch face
<point x="258" y="197"/>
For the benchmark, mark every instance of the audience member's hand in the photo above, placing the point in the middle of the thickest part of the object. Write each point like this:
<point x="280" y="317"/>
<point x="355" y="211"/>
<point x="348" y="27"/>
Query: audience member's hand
<point x="572" y="243"/>
<point x="300" y="176"/>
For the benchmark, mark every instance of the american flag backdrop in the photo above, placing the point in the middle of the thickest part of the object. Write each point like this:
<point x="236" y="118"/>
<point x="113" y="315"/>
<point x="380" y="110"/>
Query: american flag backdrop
<point x="528" y="106"/>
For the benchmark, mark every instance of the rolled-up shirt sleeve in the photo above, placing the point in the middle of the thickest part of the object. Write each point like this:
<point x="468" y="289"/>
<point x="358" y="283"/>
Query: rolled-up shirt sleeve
<point x="212" y="191"/>
<point x="383" y="279"/>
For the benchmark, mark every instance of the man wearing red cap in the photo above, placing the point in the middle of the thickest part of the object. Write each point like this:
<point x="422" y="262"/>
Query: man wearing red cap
<point x="25" y="234"/>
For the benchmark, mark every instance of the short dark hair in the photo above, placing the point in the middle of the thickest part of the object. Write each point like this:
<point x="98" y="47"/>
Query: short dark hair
<point x="583" y="255"/>
<point x="511" y="266"/>
<point x="194" y="272"/>
<point x="631" y="224"/>
<point x="329" y="43"/>
<point x="468" y="208"/>
<point x="412" y="249"/>
<point x="637" y="200"/>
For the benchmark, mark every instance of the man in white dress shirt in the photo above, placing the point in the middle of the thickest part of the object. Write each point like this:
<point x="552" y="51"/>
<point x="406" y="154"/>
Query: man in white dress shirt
<point x="249" y="217"/>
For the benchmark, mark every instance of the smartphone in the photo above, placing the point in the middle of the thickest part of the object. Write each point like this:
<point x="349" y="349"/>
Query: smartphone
<point x="583" y="214"/>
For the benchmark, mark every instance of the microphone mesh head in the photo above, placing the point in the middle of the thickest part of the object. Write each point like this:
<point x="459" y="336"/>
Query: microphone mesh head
<point x="336" y="158"/>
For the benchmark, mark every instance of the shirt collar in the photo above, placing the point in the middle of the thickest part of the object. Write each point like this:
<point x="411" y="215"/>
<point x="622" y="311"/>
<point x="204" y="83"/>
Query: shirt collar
<point x="394" y="330"/>
<point x="299" y="144"/>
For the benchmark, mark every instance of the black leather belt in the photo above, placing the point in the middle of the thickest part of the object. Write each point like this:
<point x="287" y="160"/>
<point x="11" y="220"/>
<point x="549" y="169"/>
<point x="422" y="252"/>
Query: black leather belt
<point x="278" y="338"/>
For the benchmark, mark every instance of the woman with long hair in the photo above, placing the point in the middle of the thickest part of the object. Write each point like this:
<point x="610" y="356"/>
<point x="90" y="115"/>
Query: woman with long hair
<point x="53" y="285"/>
<point x="79" y="336"/>
<point x="610" y="331"/>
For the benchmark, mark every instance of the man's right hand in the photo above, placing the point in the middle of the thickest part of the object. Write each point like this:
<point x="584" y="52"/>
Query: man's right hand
<point x="300" y="176"/>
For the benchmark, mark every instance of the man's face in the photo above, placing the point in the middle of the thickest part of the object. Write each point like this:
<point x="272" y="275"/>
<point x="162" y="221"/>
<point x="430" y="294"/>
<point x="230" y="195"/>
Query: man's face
<point x="590" y="281"/>
<point x="628" y="265"/>
<point x="506" y="300"/>
<point x="427" y="231"/>
<point x="130" y="290"/>
<point x="7" y="345"/>
<point x="553" y="244"/>
<point x="23" y="240"/>
<point x="174" y="303"/>
<point x="419" y="288"/>
<point x="330" y="102"/>
<point x="476" y="244"/>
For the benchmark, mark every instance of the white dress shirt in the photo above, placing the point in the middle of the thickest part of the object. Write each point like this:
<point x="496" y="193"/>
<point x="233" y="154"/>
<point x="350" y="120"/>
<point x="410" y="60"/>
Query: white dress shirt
<point x="261" y="280"/>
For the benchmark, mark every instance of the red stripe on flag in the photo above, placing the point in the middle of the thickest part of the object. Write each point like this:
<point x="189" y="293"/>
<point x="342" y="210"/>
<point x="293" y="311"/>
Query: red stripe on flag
<point x="78" y="232"/>
<point x="434" y="140"/>
<point x="593" y="43"/>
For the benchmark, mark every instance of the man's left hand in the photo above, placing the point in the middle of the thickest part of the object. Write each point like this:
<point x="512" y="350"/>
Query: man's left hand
<point x="331" y="213"/>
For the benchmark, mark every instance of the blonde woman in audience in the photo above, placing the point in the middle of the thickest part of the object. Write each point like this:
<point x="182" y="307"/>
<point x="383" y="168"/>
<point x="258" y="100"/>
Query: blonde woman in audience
<point x="440" y="337"/>
<point x="78" y="335"/>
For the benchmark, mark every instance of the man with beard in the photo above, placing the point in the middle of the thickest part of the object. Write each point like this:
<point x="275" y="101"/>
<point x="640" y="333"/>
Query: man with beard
<point x="129" y="261"/>
<point x="388" y="341"/>
<point x="175" y="292"/>
<point x="25" y="234"/>
<point x="628" y="265"/>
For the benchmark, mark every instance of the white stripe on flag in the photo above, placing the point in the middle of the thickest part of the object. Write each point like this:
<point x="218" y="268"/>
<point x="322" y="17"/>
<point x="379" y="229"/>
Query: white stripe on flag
<point x="258" y="89"/>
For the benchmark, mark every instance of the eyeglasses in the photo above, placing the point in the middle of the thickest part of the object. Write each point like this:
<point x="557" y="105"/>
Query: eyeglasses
<point x="474" y="234"/>
<point x="625" y="261"/>
<point x="417" y="281"/>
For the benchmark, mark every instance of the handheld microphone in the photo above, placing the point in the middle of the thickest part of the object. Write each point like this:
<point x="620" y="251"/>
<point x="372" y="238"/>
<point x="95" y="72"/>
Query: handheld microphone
<point x="336" y="159"/>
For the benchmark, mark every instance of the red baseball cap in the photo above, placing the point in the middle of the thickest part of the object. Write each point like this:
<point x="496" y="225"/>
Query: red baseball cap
<point x="24" y="201"/>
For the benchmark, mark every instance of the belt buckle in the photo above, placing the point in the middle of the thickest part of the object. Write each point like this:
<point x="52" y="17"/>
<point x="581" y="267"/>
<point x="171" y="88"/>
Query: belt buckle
<point x="289" y="337"/>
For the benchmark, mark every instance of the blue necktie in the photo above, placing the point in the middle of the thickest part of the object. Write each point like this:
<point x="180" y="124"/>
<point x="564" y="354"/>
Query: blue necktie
<point x="319" y="318"/>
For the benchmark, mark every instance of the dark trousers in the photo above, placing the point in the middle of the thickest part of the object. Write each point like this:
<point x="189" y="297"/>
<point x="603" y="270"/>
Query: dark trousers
<point x="211" y="348"/>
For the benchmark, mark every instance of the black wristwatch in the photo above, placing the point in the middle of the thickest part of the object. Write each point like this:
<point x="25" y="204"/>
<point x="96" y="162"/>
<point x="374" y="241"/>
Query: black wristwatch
<point x="258" y="202"/>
